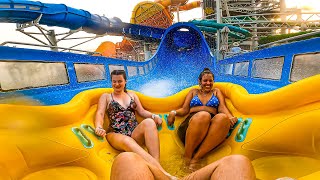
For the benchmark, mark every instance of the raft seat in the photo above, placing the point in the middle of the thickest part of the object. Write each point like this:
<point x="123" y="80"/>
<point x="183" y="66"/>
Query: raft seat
<point x="70" y="172"/>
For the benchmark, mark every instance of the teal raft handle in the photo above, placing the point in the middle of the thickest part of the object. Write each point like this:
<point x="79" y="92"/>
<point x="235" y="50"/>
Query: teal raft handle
<point x="159" y="127"/>
<point x="234" y="127"/>
<point x="85" y="141"/>
<point x="166" y="119"/>
<point x="243" y="129"/>
<point x="90" y="129"/>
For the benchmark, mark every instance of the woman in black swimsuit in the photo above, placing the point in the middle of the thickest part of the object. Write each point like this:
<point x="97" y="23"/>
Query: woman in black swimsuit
<point x="124" y="132"/>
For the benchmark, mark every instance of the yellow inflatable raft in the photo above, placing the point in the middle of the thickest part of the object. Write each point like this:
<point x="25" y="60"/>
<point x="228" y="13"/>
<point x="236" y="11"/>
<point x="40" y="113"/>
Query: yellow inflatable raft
<point x="279" y="132"/>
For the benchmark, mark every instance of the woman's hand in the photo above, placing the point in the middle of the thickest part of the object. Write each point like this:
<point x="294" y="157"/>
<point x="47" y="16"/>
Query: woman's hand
<point x="157" y="120"/>
<point x="171" y="118"/>
<point x="100" y="132"/>
<point x="233" y="121"/>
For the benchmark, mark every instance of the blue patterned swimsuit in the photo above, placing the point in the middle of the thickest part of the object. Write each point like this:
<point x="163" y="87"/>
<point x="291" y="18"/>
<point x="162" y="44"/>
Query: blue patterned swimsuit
<point x="195" y="101"/>
<point x="122" y="120"/>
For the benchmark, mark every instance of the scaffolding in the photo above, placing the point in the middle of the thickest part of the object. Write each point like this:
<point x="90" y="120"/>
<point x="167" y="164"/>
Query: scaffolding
<point x="261" y="18"/>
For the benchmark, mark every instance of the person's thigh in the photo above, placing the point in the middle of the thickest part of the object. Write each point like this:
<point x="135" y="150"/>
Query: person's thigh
<point x="139" y="131"/>
<point x="235" y="167"/>
<point x="120" y="141"/>
<point x="129" y="166"/>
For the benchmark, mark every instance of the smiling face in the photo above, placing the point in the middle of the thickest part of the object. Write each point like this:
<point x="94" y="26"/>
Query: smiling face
<point x="118" y="83"/>
<point x="206" y="82"/>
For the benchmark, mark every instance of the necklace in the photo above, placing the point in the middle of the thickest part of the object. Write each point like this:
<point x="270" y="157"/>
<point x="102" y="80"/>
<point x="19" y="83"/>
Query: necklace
<point x="205" y="94"/>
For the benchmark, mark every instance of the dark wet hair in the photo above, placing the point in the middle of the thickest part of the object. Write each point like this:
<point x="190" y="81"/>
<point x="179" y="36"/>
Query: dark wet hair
<point x="120" y="72"/>
<point x="205" y="71"/>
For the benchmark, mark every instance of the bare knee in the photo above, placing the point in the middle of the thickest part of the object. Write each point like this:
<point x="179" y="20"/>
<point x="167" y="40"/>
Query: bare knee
<point x="128" y="143"/>
<point x="221" y="120"/>
<point x="149" y="124"/>
<point x="135" y="167"/>
<point x="236" y="159"/>
<point x="201" y="118"/>
<point x="127" y="157"/>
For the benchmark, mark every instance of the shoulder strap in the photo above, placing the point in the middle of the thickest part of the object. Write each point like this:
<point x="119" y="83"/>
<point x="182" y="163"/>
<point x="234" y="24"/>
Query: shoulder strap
<point x="196" y="92"/>
<point x="215" y="92"/>
<point x="130" y="96"/>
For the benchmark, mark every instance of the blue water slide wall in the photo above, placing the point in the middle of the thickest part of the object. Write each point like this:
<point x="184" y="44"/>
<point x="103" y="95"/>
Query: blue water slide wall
<point x="175" y="66"/>
<point x="181" y="55"/>
<point x="18" y="11"/>
<point x="260" y="85"/>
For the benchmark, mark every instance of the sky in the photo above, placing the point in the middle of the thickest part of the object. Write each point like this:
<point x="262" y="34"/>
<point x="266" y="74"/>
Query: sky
<point x="115" y="8"/>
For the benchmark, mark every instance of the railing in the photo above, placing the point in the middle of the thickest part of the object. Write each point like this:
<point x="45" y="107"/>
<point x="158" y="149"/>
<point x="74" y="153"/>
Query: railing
<point x="48" y="46"/>
<point x="270" y="21"/>
<point x="288" y="39"/>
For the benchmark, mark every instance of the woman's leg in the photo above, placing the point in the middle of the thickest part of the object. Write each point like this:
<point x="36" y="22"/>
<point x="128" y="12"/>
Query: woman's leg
<point x="196" y="132"/>
<point x="128" y="144"/>
<point x="131" y="166"/>
<point x="146" y="133"/>
<point x="128" y="165"/>
<point x="217" y="133"/>
<point x="235" y="167"/>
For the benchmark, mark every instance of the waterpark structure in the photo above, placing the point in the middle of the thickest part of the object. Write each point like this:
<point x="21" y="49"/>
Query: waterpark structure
<point x="48" y="99"/>
<point x="259" y="17"/>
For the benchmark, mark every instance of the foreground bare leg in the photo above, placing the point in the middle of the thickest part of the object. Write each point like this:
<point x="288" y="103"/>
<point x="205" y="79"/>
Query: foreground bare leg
<point x="125" y="143"/>
<point x="217" y="133"/>
<point x="130" y="166"/>
<point x="197" y="130"/>
<point x="146" y="133"/>
<point x="235" y="167"/>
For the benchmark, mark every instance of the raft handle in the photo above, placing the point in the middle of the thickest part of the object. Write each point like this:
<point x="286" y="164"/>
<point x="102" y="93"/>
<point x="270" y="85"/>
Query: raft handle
<point x="90" y="129"/>
<point x="85" y="141"/>
<point x="234" y="127"/>
<point x="166" y="119"/>
<point x="243" y="129"/>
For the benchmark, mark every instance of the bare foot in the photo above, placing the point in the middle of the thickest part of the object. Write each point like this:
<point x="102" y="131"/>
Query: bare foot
<point x="170" y="176"/>
<point x="196" y="164"/>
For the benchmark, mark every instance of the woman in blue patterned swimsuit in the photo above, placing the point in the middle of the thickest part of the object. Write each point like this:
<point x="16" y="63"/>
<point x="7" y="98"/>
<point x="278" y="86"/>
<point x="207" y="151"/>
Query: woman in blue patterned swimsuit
<point x="208" y="122"/>
<point x="124" y="132"/>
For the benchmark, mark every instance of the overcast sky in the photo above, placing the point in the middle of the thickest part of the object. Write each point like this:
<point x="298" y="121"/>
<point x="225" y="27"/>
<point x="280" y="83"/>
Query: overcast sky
<point x="113" y="8"/>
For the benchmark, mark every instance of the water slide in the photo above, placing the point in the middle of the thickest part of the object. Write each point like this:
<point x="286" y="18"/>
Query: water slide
<point x="213" y="26"/>
<point x="279" y="133"/>
<point x="278" y="130"/>
<point x="159" y="12"/>
<point x="155" y="14"/>
<point x="19" y="11"/>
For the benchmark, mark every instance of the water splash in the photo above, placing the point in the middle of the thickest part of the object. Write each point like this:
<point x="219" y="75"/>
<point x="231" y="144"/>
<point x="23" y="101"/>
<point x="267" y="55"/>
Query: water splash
<point x="158" y="88"/>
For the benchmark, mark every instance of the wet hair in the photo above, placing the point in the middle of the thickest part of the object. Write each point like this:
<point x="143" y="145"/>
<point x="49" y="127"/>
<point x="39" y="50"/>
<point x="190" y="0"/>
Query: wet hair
<point x="120" y="72"/>
<point x="205" y="71"/>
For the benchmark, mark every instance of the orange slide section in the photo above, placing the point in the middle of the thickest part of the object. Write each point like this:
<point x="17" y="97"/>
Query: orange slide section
<point x="155" y="14"/>
<point x="107" y="49"/>
<point x="189" y="6"/>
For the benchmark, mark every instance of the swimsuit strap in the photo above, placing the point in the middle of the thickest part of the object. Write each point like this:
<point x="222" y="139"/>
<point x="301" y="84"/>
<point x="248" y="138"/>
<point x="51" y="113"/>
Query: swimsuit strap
<point x="130" y="96"/>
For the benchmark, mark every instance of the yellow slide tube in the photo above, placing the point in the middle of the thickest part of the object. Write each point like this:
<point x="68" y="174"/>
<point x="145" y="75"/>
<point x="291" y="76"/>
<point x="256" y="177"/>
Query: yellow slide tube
<point x="56" y="142"/>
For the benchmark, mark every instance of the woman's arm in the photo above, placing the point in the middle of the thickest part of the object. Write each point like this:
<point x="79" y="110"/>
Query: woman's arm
<point x="223" y="108"/>
<point x="183" y="110"/>
<point x="98" y="123"/>
<point x="144" y="113"/>
<point x="222" y="104"/>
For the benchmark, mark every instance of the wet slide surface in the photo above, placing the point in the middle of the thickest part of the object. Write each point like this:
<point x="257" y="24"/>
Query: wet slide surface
<point x="278" y="131"/>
